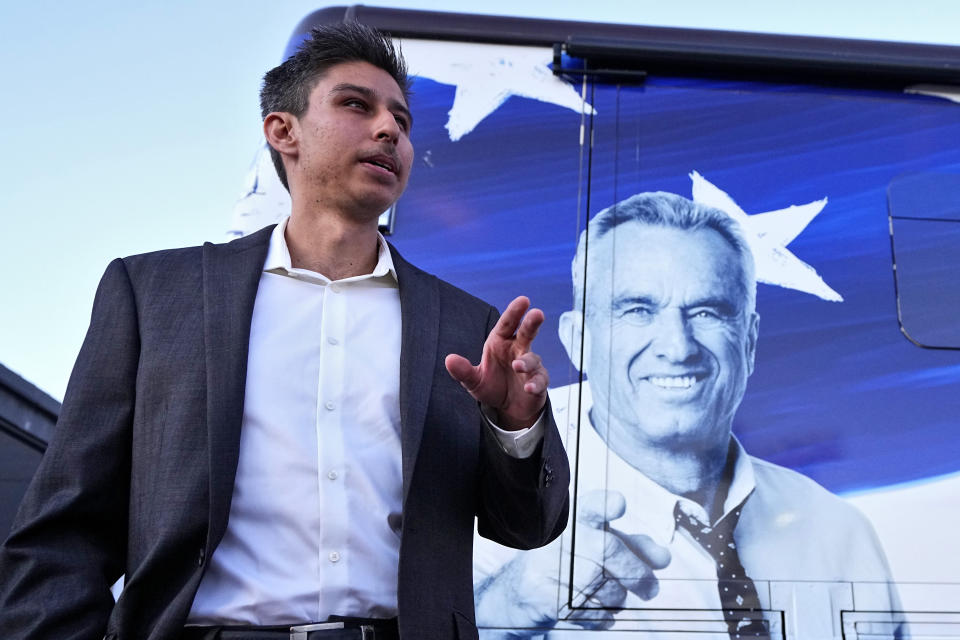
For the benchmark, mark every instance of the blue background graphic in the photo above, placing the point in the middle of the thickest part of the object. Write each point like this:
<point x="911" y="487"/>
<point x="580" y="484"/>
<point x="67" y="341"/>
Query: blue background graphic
<point x="839" y="393"/>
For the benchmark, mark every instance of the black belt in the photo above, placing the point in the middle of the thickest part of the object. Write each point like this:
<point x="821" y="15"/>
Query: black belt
<point x="337" y="628"/>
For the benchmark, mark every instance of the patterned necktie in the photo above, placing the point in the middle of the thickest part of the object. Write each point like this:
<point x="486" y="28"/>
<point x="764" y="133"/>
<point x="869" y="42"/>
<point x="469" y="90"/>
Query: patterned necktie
<point x="738" y="594"/>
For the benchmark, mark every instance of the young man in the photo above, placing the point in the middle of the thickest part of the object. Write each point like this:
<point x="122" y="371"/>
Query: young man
<point x="262" y="435"/>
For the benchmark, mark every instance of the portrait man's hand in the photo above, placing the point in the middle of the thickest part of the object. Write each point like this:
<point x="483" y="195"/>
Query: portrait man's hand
<point x="608" y="564"/>
<point x="510" y="378"/>
<point x="625" y="561"/>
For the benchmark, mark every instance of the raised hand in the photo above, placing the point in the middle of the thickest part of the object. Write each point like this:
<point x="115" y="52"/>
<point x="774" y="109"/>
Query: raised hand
<point x="510" y="378"/>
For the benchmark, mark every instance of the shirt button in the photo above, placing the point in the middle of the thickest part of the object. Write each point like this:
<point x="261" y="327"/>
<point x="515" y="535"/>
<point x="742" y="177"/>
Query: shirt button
<point x="335" y="288"/>
<point x="334" y="556"/>
<point x="333" y="340"/>
<point x="330" y="406"/>
<point x="332" y="475"/>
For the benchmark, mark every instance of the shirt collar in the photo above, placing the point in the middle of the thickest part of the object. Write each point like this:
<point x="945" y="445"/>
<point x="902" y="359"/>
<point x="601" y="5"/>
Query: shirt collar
<point x="743" y="482"/>
<point x="741" y="486"/>
<point x="278" y="260"/>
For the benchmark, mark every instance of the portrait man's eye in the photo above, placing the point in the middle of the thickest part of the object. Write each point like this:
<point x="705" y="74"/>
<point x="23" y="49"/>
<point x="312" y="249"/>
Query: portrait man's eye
<point x="710" y="315"/>
<point x="638" y="314"/>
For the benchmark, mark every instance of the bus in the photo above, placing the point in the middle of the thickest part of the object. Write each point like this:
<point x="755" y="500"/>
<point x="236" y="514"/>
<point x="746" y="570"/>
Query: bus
<point x="838" y="161"/>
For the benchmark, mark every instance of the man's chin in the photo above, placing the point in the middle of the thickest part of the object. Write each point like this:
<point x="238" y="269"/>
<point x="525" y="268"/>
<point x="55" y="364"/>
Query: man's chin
<point x="369" y="207"/>
<point x="676" y="430"/>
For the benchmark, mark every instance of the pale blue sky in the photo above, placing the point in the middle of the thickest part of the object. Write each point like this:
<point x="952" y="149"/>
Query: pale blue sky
<point x="128" y="127"/>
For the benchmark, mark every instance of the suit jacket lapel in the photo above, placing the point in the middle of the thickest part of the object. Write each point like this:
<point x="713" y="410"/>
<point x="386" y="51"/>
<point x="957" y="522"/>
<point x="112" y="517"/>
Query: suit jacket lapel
<point x="231" y="274"/>
<point x="420" y="326"/>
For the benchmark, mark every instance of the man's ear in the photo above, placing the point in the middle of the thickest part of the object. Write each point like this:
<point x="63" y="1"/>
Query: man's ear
<point x="571" y="336"/>
<point x="282" y="132"/>
<point x="753" y="333"/>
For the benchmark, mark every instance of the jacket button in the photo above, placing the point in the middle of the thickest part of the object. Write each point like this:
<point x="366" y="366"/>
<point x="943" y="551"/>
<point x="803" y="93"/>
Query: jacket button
<point x="547" y="476"/>
<point x="201" y="556"/>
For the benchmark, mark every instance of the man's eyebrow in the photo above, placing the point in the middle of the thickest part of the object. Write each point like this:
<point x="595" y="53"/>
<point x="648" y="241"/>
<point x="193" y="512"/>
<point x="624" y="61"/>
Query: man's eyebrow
<point x="723" y="305"/>
<point x="345" y="87"/>
<point x="370" y="94"/>
<point x="632" y="301"/>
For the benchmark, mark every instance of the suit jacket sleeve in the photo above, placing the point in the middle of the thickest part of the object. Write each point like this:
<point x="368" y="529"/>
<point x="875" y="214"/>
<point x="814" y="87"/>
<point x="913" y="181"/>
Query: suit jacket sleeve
<point x="523" y="502"/>
<point x="68" y="541"/>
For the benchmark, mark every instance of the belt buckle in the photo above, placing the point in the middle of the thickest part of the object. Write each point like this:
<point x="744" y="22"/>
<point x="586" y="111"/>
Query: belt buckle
<point x="301" y="631"/>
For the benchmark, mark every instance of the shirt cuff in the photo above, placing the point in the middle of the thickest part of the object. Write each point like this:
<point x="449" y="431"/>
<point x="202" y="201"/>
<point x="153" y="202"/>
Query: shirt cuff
<point x="518" y="444"/>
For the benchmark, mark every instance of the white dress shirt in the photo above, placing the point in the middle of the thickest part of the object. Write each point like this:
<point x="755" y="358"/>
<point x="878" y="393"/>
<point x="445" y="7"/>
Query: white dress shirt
<point x="314" y="526"/>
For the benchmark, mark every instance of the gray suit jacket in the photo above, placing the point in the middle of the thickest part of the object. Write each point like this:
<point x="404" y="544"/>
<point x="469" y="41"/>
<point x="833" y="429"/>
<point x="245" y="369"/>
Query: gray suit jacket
<point x="139" y="475"/>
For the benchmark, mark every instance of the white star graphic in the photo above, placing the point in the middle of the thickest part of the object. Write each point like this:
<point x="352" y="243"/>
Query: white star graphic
<point x="946" y="92"/>
<point x="486" y="75"/>
<point x="768" y="235"/>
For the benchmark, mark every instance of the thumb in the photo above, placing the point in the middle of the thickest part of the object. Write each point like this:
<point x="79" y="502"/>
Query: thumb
<point x="596" y="508"/>
<point x="462" y="371"/>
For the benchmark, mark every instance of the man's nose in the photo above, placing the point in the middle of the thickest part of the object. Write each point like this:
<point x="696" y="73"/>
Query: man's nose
<point x="672" y="337"/>
<point x="387" y="127"/>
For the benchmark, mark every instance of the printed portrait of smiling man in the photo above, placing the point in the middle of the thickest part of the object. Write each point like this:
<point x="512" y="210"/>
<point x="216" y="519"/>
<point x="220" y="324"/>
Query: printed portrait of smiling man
<point x="671" y="513"/>
<point x="669" y="337"/>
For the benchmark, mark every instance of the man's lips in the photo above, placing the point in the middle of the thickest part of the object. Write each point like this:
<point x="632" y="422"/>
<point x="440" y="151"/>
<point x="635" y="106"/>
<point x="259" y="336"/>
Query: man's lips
<point x="383" y="161"/>
<point x="675" y="382"/>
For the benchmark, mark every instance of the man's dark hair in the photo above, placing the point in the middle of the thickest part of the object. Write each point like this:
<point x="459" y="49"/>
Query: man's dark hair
<point x="287" y="87"/>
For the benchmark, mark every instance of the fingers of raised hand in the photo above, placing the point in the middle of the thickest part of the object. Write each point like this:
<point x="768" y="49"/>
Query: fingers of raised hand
<point x="510" y="319"/>
<point x="528" y="362"/>
<point x="531" y="367"/>
<point x="528" y="329"/>
<point x="462" y="371"/>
